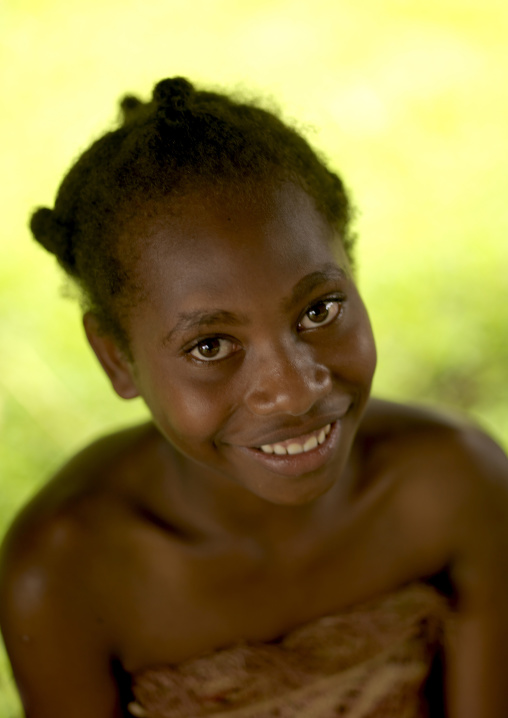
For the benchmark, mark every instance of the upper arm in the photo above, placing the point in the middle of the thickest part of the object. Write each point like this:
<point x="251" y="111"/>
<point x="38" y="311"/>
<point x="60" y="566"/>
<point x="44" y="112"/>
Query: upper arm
<point x="477" y="683"/>
<point x="477" y="652"/>
<point x="53" y="633"/>
<point x="454" y="500"/>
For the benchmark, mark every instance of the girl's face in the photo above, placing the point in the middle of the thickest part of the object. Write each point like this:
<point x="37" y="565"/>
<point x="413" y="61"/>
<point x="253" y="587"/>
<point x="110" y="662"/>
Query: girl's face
<point x="252" y="347"/>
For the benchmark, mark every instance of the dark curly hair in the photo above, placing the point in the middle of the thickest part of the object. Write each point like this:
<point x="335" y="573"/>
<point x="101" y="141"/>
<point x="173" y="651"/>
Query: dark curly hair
<point x="181" y="139"/>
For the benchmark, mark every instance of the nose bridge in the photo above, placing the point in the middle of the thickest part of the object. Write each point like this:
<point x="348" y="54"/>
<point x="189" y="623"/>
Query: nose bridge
<point x="286" y="378"/>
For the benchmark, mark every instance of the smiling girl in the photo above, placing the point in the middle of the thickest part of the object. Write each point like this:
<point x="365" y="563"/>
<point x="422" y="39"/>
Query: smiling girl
<point x="273" y="542"/>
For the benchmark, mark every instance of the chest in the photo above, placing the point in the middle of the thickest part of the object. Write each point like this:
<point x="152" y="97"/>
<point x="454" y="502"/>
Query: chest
<point x="178" y="602"/>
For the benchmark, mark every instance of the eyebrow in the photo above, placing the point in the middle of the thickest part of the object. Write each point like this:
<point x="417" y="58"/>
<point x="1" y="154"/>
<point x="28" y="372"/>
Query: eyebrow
<point x="330" y="272"/>
<point x="199" y="319"/>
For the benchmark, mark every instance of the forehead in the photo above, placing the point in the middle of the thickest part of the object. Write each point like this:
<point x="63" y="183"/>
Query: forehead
<point x="213" y="241"/>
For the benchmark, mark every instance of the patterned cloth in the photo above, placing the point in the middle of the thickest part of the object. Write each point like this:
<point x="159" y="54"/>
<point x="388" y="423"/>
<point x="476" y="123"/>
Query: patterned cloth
<point x="372" y="661"/>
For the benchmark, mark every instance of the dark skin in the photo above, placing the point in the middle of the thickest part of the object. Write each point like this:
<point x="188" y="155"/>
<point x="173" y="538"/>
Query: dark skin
<point x="182" y="536"/>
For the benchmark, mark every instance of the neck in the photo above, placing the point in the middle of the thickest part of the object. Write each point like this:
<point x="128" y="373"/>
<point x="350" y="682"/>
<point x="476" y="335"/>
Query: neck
<point x="216" y="505"/>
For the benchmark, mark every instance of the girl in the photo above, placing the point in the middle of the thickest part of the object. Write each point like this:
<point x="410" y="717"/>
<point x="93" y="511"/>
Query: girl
<point x="273" y="542"/>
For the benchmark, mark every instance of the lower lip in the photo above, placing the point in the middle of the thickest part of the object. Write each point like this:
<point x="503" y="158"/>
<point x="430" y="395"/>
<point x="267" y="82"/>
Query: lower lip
<point x="298" y="464"/>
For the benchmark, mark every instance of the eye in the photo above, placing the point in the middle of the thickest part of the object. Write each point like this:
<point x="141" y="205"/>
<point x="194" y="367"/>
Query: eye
<point x="212" y="349"/>
<point x="320" y="314"/>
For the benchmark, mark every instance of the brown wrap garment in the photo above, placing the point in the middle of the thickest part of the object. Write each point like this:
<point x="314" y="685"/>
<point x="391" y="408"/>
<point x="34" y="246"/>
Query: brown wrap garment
<point x="372" y="661"/>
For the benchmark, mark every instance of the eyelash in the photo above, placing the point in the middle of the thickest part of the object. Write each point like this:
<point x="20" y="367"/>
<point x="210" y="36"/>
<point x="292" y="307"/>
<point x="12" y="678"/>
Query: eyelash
<point x="327" y="302"/>
<point x="209" y="340"/>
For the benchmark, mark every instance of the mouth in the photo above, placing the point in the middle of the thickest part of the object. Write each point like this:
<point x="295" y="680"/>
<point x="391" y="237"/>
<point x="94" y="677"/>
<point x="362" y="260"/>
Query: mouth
<point x="299" y="445"/>
<point x="299" y="455"/>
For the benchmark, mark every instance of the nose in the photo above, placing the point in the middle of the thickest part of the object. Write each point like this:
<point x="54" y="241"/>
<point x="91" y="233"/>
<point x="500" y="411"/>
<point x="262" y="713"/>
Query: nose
<point x="286" y="380"/>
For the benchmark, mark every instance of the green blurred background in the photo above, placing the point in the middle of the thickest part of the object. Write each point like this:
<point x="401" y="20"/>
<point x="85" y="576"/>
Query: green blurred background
<point x="407" y="99"/>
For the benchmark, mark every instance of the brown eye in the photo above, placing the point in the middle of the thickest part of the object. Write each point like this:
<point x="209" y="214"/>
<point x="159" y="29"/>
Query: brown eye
<point x="213" y="348"/>
<point x="320" y="314"/>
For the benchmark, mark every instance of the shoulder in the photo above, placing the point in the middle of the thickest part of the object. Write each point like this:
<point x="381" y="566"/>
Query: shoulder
<point x="413" y="434"/>
<point x="68" y="566"/>
<point x="450" y="496"/>
<point x="51" y="552"/>
<point x="449" y="481"/>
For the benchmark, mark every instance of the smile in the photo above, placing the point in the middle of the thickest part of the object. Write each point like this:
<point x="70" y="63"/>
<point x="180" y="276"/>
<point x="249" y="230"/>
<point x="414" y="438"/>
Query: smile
<point x="299" y="455"/>
<point x="298" y="445"/>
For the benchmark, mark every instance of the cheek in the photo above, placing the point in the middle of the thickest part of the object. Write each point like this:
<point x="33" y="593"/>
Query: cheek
<point x="356" y="354"/>
<point x="369" y="362"/>
<point x="366" y="349"/>
<point x="185" y="411"/>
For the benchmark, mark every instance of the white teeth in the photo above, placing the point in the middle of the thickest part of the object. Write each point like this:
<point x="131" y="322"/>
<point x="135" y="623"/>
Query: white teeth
<point x="310" y="443"/>
<point x="296" y="448"/>
<point x="324" y="433"/>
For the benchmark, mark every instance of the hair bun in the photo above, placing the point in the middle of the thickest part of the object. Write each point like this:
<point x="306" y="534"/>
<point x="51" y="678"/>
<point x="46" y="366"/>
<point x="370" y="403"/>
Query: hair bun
<point x="130" y="106"/>
<point x="52" y="235"/>
<point x="173" y="93"/>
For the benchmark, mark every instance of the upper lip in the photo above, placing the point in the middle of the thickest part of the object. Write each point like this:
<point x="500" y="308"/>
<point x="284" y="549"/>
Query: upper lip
<point x="275" y="435"/>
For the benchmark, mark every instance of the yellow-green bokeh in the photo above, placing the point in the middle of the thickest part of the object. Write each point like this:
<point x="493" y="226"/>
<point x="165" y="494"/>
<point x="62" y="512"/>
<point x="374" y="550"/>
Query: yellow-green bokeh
<point x="407" y="99"/>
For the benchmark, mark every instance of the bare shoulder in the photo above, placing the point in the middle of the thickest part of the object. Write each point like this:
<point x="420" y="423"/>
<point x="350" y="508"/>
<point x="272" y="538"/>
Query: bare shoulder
<point x="450" y="481"/>
<point x="49" y="555"/>
<point x="414" y="433"/>
<point x="450" y="508"/>
<point x="91" y="473"/>
<point x="52" y="566"/>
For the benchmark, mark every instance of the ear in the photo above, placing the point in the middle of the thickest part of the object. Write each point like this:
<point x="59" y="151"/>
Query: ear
<point x="112" y="359"/>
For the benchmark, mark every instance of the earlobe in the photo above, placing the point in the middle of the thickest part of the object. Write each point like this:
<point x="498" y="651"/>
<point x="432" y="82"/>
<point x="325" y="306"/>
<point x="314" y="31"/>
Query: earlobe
<point x="111" y="358"/>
